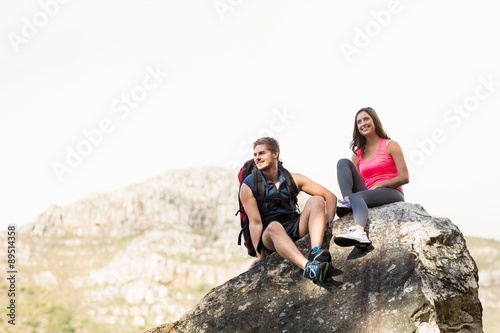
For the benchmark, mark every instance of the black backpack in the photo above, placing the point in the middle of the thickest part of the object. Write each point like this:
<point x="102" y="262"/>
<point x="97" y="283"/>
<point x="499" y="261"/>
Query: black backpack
<point x="248" y="168"/>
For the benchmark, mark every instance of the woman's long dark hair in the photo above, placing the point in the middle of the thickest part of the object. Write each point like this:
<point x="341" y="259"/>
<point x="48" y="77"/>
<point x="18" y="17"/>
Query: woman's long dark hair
<point x="358" y="140"/>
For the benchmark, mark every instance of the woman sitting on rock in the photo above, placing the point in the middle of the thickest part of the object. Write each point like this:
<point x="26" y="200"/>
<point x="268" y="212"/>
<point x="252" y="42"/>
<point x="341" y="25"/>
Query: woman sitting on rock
<point x="373" y="177"/>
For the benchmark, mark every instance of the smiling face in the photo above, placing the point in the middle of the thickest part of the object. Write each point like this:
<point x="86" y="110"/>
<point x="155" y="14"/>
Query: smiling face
<point x="264" y="158"/>
<point x="365" y="123"/>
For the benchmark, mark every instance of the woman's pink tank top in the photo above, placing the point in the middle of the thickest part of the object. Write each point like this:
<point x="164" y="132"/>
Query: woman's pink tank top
<point x="378" y="169"/>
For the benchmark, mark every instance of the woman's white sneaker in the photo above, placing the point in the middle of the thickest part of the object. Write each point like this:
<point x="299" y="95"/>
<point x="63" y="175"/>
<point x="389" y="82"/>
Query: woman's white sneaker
<point x="352" y="237"/>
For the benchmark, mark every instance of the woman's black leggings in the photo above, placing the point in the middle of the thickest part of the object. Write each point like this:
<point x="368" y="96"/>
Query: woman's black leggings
<point x="352" y="185"/>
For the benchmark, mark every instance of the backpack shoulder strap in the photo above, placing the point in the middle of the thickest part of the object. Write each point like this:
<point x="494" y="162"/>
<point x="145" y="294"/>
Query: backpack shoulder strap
<point x="259" y="190"/>
<point x="258" y="184"/>
<point x="289" y="180"/>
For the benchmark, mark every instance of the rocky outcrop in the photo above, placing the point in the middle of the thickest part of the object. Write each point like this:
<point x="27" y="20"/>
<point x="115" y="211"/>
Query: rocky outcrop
<point x="417" y="277"/>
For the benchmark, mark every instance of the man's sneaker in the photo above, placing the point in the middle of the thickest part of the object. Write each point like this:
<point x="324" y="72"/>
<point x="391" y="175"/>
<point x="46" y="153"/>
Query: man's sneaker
<point x="319" y="254"/>
<point x="353" y="237"/>
<point x="343" y="207"/>
<point x="316" y="270"/>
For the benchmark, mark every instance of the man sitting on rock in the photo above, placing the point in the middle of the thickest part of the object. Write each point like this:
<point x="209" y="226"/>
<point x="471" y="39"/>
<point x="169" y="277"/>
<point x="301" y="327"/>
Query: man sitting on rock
<point x="276" y="225"/>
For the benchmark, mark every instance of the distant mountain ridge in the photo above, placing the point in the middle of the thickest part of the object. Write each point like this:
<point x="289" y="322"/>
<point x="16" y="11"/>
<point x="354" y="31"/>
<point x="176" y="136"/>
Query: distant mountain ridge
<point x="198" y="198"/>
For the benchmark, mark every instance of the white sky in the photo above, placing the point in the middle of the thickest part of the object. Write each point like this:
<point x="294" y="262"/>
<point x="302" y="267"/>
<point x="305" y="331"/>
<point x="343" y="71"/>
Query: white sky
<point x="229" y="71"/>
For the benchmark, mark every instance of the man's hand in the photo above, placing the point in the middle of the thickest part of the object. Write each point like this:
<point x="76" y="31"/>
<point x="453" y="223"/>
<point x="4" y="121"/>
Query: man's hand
<point x="260" y="257"/>
<point x="255" y="262"/>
